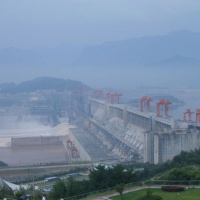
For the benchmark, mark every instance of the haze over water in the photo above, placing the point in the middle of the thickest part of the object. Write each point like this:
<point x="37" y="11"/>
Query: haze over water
<point x="192" y="102"/>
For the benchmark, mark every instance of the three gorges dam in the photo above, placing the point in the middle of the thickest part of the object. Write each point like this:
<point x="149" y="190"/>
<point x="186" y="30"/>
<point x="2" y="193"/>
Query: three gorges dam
<point x="99" y="128"/>
<point x="136" y="133"/>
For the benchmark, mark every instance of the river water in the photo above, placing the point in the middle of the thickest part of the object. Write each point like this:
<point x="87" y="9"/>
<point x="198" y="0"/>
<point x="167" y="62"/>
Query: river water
<point x="192" y="102"/>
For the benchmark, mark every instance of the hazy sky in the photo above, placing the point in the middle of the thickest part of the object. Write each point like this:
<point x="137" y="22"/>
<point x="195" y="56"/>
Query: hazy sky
<point x="28" y="23"/>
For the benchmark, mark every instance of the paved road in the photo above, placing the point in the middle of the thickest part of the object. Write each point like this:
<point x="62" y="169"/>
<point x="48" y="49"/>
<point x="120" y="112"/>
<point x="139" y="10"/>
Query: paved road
<point x="106" y="197"/>
<point x="125" y="191"/>
<point x="45" y="167"/>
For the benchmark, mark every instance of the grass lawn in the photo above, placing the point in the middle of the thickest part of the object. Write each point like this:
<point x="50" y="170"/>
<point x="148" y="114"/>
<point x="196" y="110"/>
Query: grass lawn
<point x="190" y="194"/>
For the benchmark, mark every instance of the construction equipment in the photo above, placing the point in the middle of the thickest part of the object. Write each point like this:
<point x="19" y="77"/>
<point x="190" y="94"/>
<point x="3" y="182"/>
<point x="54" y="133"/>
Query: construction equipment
<point x="148" y="104"/>
<point x="159" y="104"/>
<point x="189" y="113"/>
<point x="198" y="115"/>
<point x="142" y="103"/>
<point x="167" y="103"/>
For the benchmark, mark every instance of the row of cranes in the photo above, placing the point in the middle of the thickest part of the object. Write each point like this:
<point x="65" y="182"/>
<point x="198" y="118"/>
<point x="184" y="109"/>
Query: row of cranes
<point x="144" y="101"/>
<point x="110" y="97"/>
<point x="161" y="105"/>
<point x="189" y="113"/>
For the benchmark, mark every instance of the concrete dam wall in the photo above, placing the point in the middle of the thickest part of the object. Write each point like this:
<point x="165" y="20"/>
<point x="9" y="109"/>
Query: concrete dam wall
<point x="123" y="129"/>
<point x="40" y="140"/>
<point x="160" y="147"/>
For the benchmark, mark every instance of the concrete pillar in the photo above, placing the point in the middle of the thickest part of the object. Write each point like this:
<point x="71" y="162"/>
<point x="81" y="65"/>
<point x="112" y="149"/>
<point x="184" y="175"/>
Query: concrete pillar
<point x="104" y="116"/>
<point x="156" y="151"/>
<point x="150" y="124"/>
<point x="148" y="150"/>
<point x="125" y="116"/>
<point x="153" y="124"/>
<point x="106" y="109"/>
<point x="174" y="123"/>
<point x="89" y="108"/>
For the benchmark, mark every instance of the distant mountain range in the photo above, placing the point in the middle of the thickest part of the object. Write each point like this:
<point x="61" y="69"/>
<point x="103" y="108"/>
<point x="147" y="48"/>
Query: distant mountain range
<point x="176" y="48"/>
<point x="165" y="60"/>
<point x="43" y="83"/>
<point x="181" y="47"/>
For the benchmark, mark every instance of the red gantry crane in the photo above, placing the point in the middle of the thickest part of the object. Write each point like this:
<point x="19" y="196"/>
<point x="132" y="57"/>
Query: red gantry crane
<point x="148" y="104"/>
<point x="108" y="97"/>
<point x="167" y="103"/>
<point x="142" y="103"/>
<point x="98" y="94"/>
<point x="118" y="97"/>
<point x="145" y="101"/>
<point x="165" y="106"/>
<point x="74" y="152"/>
<point x="113" y="97"/>
<point x="189" y="113"/>
<point x="198" y="115"/>
<point x="159" y="104"/>
<point x="69" y="144"/>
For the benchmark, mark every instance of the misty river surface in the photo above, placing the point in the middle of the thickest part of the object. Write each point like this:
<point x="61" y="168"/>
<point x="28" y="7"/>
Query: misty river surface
<point x="30" y="154"/>
<point x="192" y="102"/>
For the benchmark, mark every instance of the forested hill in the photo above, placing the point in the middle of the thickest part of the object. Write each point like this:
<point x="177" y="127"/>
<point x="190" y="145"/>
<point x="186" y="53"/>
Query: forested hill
<point x="43" y="83"/>
<point x="185" y="166"/>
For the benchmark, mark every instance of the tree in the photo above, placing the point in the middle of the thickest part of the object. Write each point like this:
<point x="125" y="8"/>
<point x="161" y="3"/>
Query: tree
<point x="6" y="192"/>
<point x="3" y="164"/>
<point x="100" y="177"/>
<point x="20" y="192"/>
<point x="120" y="188"/>
<point x="73" y="187"/>
<point x="179" y="174"/>
<point x="59" y="190"/>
